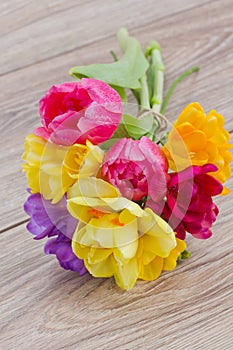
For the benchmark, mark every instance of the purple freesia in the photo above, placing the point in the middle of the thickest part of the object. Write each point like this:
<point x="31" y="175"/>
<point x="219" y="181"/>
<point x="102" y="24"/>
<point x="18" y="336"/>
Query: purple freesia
<point x="61" y="247"/>
<point x="49" y="220"/>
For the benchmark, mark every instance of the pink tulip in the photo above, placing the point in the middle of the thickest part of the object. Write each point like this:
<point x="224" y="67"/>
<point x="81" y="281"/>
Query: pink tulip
<point x="138" y="168"/>
<point x="79" y="111"/>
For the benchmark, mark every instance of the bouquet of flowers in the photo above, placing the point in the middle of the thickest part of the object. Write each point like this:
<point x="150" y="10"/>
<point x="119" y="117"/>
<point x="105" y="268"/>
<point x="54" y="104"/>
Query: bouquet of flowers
<point x="115" y="193"/>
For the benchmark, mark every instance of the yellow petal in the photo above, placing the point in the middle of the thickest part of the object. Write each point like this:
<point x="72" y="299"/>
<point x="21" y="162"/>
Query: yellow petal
<point x="96" y="255"/>
<point x="210" y="126"/>
<point x="220" y="137"/>
<point x="152" y="270"/>
<point x="157" y="235"/>
<point x="196" y="141"/>
<point x="80" y="251"/>
<point x="126" y="275"/>
<point x="192" y="113"/>
<point x="199" y="158"/>
<point x="104" y="268"/>
<point x="125" y="252"/>
<point x="97" y="193"/>
<point x="219" y="117"/>
<point x="225" y="191"/>
<point x="204" y="137"/>
<point x="93" y="188"/>
<point x="82" y="213"/>
<point x="182" y="130"/>
<point x="147" y="257"/>
<point x="51" y="169"/>
<point x="92" y="162"/>
<point x="211" y="150"/>
<point x="171" y="261"/>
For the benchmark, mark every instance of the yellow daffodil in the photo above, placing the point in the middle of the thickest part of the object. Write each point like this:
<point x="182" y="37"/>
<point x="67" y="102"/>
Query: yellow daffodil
<point x="116" y="237"/>
<point x="52" y="169"/>
<point x="151" y="265"/>
<point x="198" y="139"/>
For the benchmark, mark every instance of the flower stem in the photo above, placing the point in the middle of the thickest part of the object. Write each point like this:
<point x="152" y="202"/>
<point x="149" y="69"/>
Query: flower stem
<point x="122" y="36"/>
<point x="114" y="56"/>
<point x="173" y="86"/>
<point x="144" y="94"/>
<point x="158" y="69"/>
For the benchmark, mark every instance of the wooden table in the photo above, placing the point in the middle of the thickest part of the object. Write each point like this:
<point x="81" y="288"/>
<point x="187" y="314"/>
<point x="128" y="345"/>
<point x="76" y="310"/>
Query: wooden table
<point x="44" y="306"/>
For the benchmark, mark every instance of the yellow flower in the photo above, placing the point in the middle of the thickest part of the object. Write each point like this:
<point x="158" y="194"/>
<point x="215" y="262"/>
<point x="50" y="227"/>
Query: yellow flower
<point x="198" y="139"/>
<point x="151" y="265"/>
<point x="116" y="237"/>
<point x="52" y="169"/>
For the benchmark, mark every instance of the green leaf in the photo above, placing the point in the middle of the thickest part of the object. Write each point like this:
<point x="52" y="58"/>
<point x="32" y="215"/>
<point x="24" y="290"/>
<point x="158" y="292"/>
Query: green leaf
<point x="121" y="92"/>
<point x="118" y="134"/>
<point x="124" y="73"/>
<point x="137" y="128"/>
<point x="105" y="146"/>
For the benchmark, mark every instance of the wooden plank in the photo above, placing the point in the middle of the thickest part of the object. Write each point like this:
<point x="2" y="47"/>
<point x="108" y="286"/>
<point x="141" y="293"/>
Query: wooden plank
<point x="189" y="308"/>
<point x="15" y="15"/>
<point x="198" y="36"/>
<point x="39" y="31"/>
<point x="41" y="304"/>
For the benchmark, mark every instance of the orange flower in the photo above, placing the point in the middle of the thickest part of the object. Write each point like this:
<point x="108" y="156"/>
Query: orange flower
<point x="198" y="139"/>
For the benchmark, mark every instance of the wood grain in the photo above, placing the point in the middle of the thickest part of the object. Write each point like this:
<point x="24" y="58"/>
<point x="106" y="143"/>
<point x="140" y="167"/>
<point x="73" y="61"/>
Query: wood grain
<point x="204" y="40"/>
<point x="41" y="304"/>
<point x="189" y="308"/>
<point x="52" y="32"/>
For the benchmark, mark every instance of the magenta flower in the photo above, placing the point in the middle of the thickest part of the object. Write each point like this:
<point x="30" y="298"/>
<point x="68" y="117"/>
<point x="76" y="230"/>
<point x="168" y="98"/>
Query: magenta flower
<point x="79" y="111"/>
<point x="54" y="220"/>
<point x="138" y="168"/>
<point x="189" y="206"/>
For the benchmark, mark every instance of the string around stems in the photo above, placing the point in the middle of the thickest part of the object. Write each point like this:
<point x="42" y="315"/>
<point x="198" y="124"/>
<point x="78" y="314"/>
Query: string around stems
<point x="160" y="118"/>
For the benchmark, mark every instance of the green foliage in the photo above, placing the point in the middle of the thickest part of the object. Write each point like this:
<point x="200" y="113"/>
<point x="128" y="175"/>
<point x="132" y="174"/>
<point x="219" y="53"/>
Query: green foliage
<point x="124" y="73"/>
<point x="184" y="255"/>
<point x="136" y="128"/>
